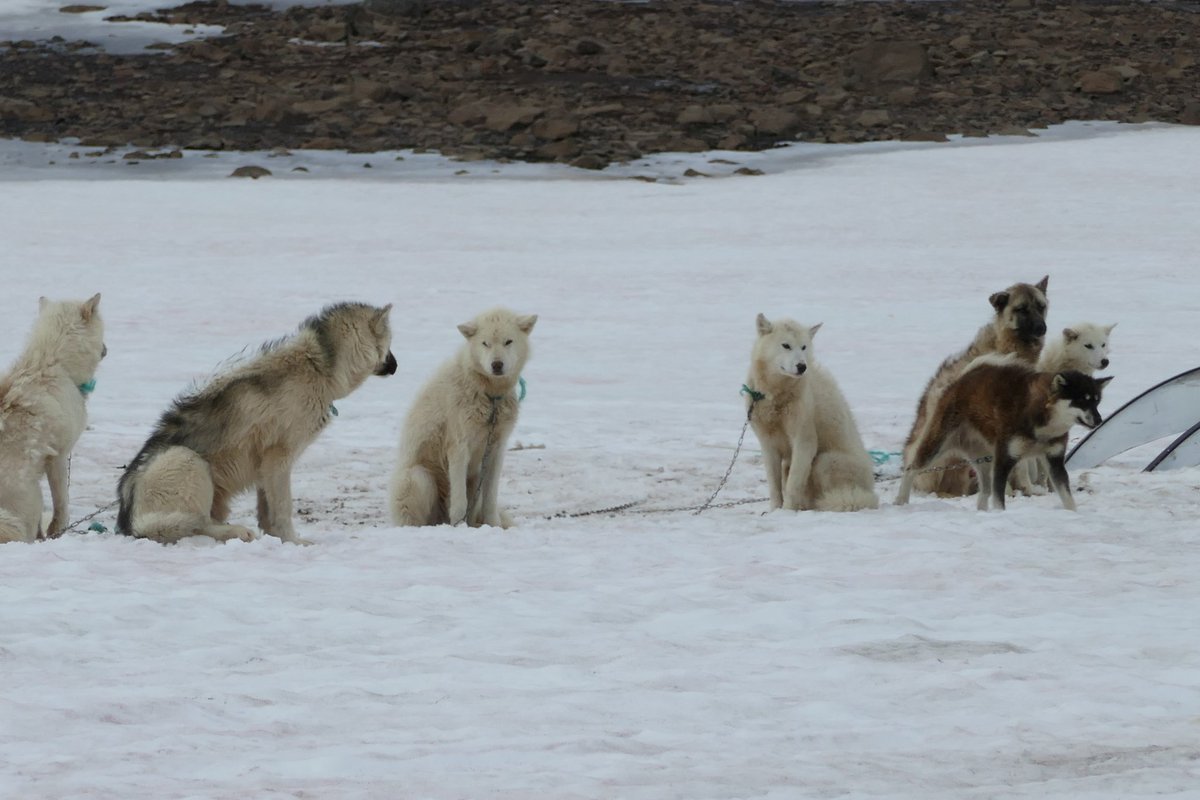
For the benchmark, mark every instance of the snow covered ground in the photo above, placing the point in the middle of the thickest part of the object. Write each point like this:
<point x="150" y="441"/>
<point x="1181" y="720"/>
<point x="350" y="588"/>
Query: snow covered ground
<point x="921" y="652"/>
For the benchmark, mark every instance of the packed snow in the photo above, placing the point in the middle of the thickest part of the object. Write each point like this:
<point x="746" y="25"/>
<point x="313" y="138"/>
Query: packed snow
<point x="930" y="651"/>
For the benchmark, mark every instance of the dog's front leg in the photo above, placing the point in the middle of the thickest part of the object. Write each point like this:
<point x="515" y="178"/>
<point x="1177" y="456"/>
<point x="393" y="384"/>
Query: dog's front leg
<point x="795" y="490"/>
<point x="1060" y="480"/>
<point x="489" y="514"/>
<point x="275" y="498"/>
<point x="57" y="475"/>
<point x="774" y="464"/>
<point x="457" y="462"/>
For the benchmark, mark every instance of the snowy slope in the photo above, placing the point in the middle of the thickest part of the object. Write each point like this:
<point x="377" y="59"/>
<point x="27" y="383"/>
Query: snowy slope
<point x="923" y="652"/>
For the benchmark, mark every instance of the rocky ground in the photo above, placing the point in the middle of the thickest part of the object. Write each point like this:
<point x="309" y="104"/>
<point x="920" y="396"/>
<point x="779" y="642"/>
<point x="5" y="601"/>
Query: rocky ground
<point x="592" y="81"/>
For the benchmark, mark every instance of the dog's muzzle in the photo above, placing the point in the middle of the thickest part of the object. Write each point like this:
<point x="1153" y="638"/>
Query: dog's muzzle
<point x="1104" y="363"/>
<point x="801" y="369"/>
<point x="497" y="367"/>
<point x="388" y="367"/>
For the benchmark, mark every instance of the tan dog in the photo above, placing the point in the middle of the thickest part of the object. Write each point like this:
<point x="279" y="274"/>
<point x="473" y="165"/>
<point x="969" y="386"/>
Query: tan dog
<point x="812" y="449"/>
<point x="247" y="427"/>
<point x="452" y="447"/>
<point x="43" y="412"/>
<point x="1018" y="327"/>
<point x="1003" y="408"/>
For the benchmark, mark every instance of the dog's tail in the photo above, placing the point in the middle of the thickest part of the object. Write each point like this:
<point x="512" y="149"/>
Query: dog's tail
<point x="12" y="529"/>
<point x="169" y="527"/>
<point x="847" y="498"/>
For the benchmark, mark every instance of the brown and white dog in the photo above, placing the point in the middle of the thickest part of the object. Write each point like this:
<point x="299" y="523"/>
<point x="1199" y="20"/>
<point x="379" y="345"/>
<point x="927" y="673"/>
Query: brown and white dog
<point x="1017" y="327"/>
<point x="1003" y="408"/>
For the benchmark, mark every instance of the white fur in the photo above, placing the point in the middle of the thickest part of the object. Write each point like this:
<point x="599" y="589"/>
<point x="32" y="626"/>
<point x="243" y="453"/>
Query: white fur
<point x="814" y="455"/>
<point x="440" y="475"/>
<point x="1082" y="347"/>
<point x="42" y="414"/>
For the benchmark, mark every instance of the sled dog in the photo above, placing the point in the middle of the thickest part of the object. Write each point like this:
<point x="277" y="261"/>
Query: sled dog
<point x="1018" y="326"/>
<point x="1083" y="347"/>
<point x="452" y="445"/>
<point x="813" y="452"/>
<point x="247" y="427"/>
<point x="1003" y="408"/>
<point x="43" y="410"/>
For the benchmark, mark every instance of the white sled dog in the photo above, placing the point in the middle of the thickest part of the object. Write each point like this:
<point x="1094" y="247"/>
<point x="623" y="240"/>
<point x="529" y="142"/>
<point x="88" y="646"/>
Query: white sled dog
<point x="813" y="452"/>
<point x="247" y="427"/>
<point x="1083" y="347"/>
<point x="1003" y="408"/>
<point x="43" y="411"/>
<point x="452" y="446"/>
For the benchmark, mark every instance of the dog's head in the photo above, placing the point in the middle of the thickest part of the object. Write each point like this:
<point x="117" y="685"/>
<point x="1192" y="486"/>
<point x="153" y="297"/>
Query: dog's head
<point x="75" y="330"/>
<point x="1022" y="309"/>
<point x="355" y="338"/>
<point x="1088" y="344"/>
<point x="498" y="342"/>
<point x="1076" y="397"/>
<point x="784" y="346"/>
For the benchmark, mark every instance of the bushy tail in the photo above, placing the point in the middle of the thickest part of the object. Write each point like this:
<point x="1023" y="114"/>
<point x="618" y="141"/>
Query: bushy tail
<point x="413" y="498"/>
<point x="12" y="529"/>
<point x="847" y="498"/>
<point x="169" y="527"/>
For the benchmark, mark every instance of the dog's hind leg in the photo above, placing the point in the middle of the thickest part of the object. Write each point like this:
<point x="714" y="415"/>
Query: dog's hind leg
<point x="1000" y="469"/>
<point x="490" y="513"/>
<point x="173" y="499"/>
<point x="58" y="476"/>
<point x="414" y="498"/>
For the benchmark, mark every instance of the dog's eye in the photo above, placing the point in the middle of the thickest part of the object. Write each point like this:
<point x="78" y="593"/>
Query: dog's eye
<point x="787" y="346"/>
<point x="1090" y="347"/>
<point x="803" y="347"/>
<point x="508" y="343"/>
<point x="485" y="344"/>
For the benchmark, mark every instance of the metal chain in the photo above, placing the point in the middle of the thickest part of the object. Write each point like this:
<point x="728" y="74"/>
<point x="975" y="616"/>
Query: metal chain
<point x="754" y="398"/>
<point x="90" y="516"/>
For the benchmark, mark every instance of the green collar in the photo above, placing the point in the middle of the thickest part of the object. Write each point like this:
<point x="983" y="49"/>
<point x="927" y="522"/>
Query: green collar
<point x="87" y="388"/>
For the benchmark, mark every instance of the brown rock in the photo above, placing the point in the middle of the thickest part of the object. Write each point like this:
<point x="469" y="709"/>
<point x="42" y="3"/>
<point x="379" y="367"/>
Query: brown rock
<point x="555" y="127"/>
<point x="695" y="115"/>
<point x="873" y="118"/>
<point x="1099" y="82"/>
<point x="890" y="62"/>
<point x="1190" y="115"/>
<point x="506" y="117"/>
<point x="775" y="121"/>
<point x="250" y="171"/>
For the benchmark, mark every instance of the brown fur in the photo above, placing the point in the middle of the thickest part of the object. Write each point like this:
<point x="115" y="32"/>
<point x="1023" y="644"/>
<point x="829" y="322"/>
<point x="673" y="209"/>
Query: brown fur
<point x="1000" y="336"/>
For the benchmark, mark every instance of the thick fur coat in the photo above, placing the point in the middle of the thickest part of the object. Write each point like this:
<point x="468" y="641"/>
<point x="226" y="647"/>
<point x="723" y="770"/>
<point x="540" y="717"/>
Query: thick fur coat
<point x="814" y="455"/>
<point x="455" y="434"/>
<point x="43" y="411"/>
<point x="1017" y="327"/>
<point x="246" y="428"/>
<point x="1003" y="408"/>
<point x="1082" y="347"/>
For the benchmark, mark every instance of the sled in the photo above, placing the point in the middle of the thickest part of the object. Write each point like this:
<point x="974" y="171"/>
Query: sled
<point x="1161" y="410"/>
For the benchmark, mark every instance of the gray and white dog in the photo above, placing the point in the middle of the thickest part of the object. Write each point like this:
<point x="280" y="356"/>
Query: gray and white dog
<point x="247" y="427"/>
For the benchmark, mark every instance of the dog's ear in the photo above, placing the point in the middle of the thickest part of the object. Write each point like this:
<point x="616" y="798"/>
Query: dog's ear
<point x="1060" y="380"/>
<point x="1108" y="330"/>
<point x="1043" y="283"/>
<point x="525" y="324"/>
<point x="1070" y="335"/>
<point x="42" y="303"/>
<point x="764" y="325"/>
<point x="999" y="300"/>
<point x="468" y="329"/>
<point x="379" y="318"/>
<point x="88" y="310"/>
<point x="813" y="330"/>
<point x="1102" y="382"/>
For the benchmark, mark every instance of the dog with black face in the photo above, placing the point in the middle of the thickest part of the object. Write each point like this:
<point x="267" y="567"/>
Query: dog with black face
<point x="1017" y="327"/>
<point x="1003" y="408"/>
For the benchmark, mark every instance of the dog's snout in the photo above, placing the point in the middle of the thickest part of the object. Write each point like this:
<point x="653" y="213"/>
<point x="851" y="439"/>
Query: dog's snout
<point x="497" y="367"/>
<point x="801" y="368"/>
<point x="104" y="351"/>
<point x="1104" y="363"/>
<point x="389" y="365"/>
<point x="1039" y="328"/>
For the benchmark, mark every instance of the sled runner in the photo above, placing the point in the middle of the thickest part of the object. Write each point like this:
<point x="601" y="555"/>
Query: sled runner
<point x="1163" y="409"/>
